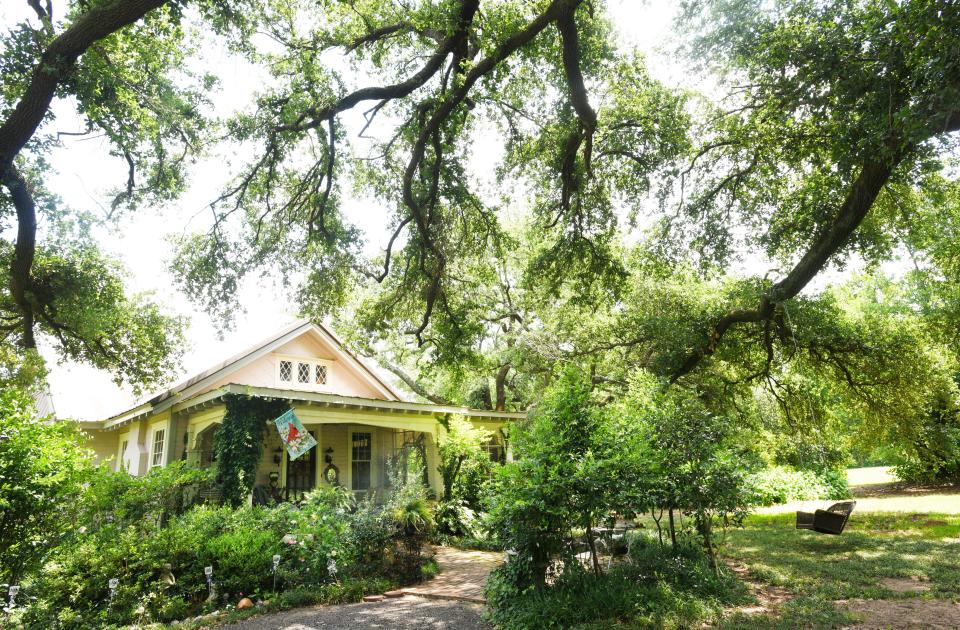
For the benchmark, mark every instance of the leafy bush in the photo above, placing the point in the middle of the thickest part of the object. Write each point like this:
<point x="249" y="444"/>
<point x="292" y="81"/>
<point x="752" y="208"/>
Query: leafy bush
<point x="932" y="454"/>
<point x="464" y="467"/>
<point x="656" y="588"/>
<point x="123" y="499"/>
<point x="42" y="465"/>
<point x="159" y="562"/>
<point x="454" y="518"/>
<point x="779" y="484"/>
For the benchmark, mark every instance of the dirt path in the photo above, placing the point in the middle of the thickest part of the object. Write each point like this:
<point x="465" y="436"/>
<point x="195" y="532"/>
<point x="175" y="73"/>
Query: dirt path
<point x="881" y="614"/>
<point x="463" y="575"/>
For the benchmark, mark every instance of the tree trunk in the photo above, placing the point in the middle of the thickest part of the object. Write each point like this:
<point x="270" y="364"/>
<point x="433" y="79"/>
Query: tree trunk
<point x="705" y="527"/>
<point x="55" y="64"/>
<point x="21" y="284"/>
<point x="593" y="550"/>
<point x="657" y="519"/>
<point x="501" y="404"/>
<point x="673" y="530"/>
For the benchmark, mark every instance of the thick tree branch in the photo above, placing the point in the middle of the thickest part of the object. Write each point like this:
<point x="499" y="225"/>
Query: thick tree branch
<point x="500" y="387"/>
<point x="857" y="204"/>
<point x="23" y="253"/>
<point x="54" y="65"/>
<point x="56" y="62"/>
<point x="415" y="385"/>
<point x="312" y="117"/>
<point x="377" y="34"/>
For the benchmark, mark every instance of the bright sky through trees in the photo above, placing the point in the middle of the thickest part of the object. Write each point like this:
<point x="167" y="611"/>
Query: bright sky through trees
<point x="86" y="174"/>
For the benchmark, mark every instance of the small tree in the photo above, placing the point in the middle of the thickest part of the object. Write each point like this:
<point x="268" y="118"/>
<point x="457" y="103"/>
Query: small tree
<point x="693" y="464"/>
<point x="573" y="462"/>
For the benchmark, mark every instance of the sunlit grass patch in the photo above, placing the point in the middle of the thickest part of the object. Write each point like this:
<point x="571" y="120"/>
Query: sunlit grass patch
<point x="820" y="569"/>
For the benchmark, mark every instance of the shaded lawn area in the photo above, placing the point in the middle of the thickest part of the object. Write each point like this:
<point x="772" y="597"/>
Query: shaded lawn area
<point x="820" y="569"/>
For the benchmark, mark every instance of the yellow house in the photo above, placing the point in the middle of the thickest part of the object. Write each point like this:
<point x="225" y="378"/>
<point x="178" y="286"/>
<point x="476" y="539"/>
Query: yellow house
<point x="358" y="420"/>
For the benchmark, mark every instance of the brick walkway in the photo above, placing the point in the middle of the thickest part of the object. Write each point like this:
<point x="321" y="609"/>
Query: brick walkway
<point x="463" y="575"/>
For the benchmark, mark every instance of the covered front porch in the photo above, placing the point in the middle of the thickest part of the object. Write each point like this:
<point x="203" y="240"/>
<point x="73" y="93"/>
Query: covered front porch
<point x="359" y="457"/>
<point x="359" y="443"/>
<point x="354" y="455"/>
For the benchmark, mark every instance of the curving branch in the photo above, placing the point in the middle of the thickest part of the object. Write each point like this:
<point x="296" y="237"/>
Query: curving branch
<point x="414" y="384"/>
<point x="853" y="211"/>
<point x="23" y="253"/>
<point x="51" y="69"/>
<point x="312" y="116"/>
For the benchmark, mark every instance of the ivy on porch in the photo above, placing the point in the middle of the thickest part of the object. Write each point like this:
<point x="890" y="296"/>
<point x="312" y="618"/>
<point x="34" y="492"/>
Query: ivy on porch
<point x="239" y="443"/>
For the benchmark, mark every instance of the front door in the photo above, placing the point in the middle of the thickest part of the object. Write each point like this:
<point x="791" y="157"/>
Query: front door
<point x="302" y="474"/>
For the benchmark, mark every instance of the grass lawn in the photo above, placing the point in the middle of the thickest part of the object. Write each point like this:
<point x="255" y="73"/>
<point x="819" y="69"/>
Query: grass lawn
<point x="895" y="547"/>
<point x="870" y="476"/>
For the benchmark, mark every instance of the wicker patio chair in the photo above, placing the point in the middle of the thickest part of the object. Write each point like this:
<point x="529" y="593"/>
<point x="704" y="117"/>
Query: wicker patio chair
<point x="829" y="521"/>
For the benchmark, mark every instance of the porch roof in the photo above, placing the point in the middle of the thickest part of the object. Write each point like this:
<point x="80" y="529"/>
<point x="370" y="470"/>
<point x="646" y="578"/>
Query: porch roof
<point x="336" y="401"/>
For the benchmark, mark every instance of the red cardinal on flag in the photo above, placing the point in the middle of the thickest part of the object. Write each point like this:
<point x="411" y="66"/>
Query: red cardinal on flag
<point x="291" y="432"/>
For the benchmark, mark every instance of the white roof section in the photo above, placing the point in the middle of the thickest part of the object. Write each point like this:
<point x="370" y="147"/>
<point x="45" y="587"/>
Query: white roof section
<point x="337" y="401"/>
<point x="209" y="377"/>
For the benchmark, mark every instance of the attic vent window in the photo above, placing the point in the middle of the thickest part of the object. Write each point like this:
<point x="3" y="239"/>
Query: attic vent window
<point x="303" y="373"/>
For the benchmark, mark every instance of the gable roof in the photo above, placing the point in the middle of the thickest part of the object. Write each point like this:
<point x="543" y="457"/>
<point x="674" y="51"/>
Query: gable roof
<point x="208" y="377"/>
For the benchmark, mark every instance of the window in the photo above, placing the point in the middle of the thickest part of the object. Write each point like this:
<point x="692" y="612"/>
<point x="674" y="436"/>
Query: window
<point x="303" y="372"/>
<point x="157" y="459"/>
<point x="122" y="464"/>
<point x="496" y="450"/>
<point x="360" y="460"/>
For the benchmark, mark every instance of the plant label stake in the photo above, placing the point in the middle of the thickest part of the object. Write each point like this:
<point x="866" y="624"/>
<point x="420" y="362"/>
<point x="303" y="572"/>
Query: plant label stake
<point x="113" y="583"/>
<point x="276" y="563"/>
<point x="208" y="571"/>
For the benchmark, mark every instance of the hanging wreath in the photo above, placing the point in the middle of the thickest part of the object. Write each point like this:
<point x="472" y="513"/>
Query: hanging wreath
<point x="331" y="474"/>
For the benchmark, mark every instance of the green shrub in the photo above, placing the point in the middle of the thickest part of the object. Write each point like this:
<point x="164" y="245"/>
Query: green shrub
<point x="932" y="455"/>
<point x="455" y="518"/>
<point x="655" y="588"/>
<point x="119" y="498"/>
<point x="374" y="542"/>
<point x="780" y="484"/>
<point x="42" y="466"/>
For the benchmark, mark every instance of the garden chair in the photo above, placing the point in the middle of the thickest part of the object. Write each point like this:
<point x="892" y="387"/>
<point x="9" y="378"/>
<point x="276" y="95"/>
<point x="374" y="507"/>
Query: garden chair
<point x="829" y="521"/>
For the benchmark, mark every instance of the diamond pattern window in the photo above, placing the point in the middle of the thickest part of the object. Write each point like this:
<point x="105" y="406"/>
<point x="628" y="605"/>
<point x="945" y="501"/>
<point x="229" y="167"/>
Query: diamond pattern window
<point x="306" y="374"/>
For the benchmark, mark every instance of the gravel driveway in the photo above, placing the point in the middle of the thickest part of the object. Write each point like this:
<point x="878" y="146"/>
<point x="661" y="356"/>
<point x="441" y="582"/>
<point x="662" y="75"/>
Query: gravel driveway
<point x="403" y="612"/>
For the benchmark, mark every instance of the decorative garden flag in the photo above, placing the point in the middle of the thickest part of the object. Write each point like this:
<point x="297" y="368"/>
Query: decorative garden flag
<point x="297" y="439"/>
